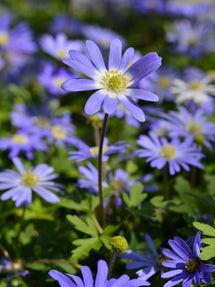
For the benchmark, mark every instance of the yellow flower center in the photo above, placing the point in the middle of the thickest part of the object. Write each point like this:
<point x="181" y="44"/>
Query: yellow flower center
<point x="168" y="151"/>
<point x="192" y="265"/>
<point x="117" y="184"/>
<point x="29" y="178"/>
<point x="199" y="139"/>
<point x="193" y="127"/>
<point x="164" y="82"/>
<point x="196" y="85"/>
<point x="19" y="139"/>
<point x="114" y="81"/>
<point x="62" y="53"/>
<point x="58" y="82"/>
<point x="58" y="132"/>
<point x="95" y="150"/>
<point x="42" y="122"/>
<point x="4" y="39"/>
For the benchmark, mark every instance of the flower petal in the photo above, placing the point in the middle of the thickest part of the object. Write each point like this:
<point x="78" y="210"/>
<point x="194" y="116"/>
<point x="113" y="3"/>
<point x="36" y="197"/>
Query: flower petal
<point x="115" y="54"/>
<point x="95" y="55"/>
<point x="110" y="104"/>
<point x="143" y="95"/>
<point x="76" y="85"/>
<point x="144" y="66"/>
<point x="94" y="103"/>
<point x="133" y="108"/>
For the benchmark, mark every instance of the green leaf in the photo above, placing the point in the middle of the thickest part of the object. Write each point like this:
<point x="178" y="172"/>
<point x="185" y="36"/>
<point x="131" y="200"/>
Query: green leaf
<point x="106" y="241"/>
<point x="87" y="227"/>
<point x="37" y="266"/>
<point x="135" y="197"/>
<point x="84" y="247"/>
<point x="110" y="229"/>
<point x="207" y="252"/>
<point x="205" y="228"/>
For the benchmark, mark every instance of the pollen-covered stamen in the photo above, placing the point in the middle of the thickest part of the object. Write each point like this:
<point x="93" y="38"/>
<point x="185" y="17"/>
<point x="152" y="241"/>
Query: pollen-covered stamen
<point x="58" y="132"/>
<point x="4" y="39"/>
<point x="164" y="82"/>
<point x="196" y="85"/>
<point x="193" y="127"/>
<point x="160" y="258"/>
<point x="58" y="82"/>
<point x="19" y="139"/>
<point x="114" y="81"/>
<point x="62" y="53"/>
<point x="192" y="265"/>
<point x="30" y="178"/>
<point x="199" y="139"/>
<point x="168" y="151"/>
<point x="95" y="150"/>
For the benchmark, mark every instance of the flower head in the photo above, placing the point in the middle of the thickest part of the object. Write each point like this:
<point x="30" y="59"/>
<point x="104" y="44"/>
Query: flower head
<point x="100" y="281"/>
<point x="20" y="184"/>
<point x="148" y="262"/>
<point x="160" y="152"/>
<point x="113" y="84"/>
<point x="185" y="265"/>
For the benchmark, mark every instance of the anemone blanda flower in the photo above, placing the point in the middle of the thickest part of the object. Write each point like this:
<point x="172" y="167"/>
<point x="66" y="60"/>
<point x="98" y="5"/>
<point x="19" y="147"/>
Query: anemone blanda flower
<point x="20" y="184"/>
<point x="59" y="46"/>
<point x="100" y="280"/>
<point x="113" y="84"/>
<point x="148" y="261"/>
<point x="22" y="142"/>
<point x="160" y="152"/>
<point x="53" y="78"/>
<point x="187" y="124"/>
<point x="84" y="151"/>
<point x="185" y="265"/>
<point x="90" y="180"/>
<point x="197" y="90"/>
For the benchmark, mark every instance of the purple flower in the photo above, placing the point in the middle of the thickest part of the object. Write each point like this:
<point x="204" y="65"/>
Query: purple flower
<point x="22" y="142"/>
<point x="90" y="180"/>
<point x="20" y="184"/>
<point x="113" y="84"/>
<point x="160" y="152"/>
<point x="191" y="38"/>
<point x="101" y="36"/>
<point x="100" y="281"/>
<point x="86" y="151"/>
<point x="59" y="46"/>
<point x="194" y="125"/>
<point x="150" y="262"/>
<point x="53" y="78"/>
<point x="185" y="264"/>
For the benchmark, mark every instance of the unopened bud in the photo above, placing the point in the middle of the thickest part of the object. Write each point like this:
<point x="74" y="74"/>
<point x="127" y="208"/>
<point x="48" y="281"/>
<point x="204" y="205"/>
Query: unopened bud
<point x="119" y="244"/>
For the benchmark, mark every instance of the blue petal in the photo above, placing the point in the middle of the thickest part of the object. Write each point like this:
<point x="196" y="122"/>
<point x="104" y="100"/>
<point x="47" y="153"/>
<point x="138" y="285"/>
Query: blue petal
<point x="95" y="55"/>
<point x="133" y="108"/>
<point x="144" y="66"/>
<point x="94" y="103"/>
<point x="102" y="273"/>
<point x="143" y="95"/>
<point x="76" y="85"/>
<point x="115" y="54"/>
<point x="110" y="104"/>
<point x="61" y="278"/>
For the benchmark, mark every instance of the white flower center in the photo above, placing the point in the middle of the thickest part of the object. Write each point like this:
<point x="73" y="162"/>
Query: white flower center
<point x="29" y="178"/>
<point x="114" y="81"/>
<point x="58" y="132"/>
<point x="168" y="151"/>
<point x="19" y="139"/>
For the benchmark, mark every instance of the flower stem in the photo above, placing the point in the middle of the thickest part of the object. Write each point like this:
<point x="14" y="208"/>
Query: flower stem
<point x="19" y="231"/>
<point x="111" y="263"/>
<point x="165" y="181"/>
<point x="103" y="131"/>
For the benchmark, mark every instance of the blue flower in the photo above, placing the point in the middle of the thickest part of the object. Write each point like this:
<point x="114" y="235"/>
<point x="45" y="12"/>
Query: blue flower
<point x="113" y="84"/>
<point x="20" y="184"/>
<point x="160" y="152"/>
<point x="185" y="264"/>
<point x="84" y="151"/>
<point x="149" y="263"/>
<point x="100" y="281"/>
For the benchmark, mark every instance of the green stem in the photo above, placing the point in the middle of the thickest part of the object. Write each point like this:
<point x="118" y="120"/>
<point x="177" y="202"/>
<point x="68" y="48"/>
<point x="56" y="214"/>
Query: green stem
<point x="19" y="231"/>
<point x="103" y="131"/>
<point x="165" y="181"/>
<point x="111" y="263"/>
